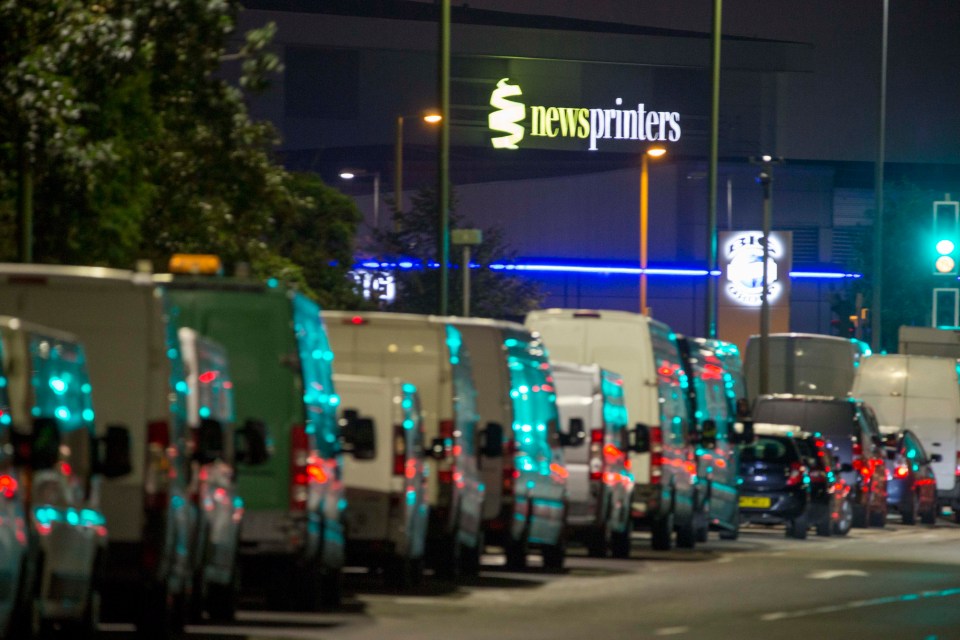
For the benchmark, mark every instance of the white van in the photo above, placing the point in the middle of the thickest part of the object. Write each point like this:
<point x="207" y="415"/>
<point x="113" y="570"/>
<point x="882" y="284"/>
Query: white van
<point x="53" y="534"/>
<point x="645" y="352"/>
<point x="524" y="472"/>
<point x="600" y="482"/>
<point x="920" y="393"/>
<point x="430" y="353"/>
<point x="387" y="511"/>
<point x="136" y="368"/>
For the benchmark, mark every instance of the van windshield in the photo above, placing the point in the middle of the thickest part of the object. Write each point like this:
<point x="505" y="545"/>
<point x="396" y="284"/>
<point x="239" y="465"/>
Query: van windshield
<point x="832" y="419"/>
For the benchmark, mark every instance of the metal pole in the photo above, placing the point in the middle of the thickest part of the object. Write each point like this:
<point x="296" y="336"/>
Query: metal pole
<point x="443" y="189"/>
<point x="644" y="219"/>
<point x="398" y="173"/>
<point x="376" y="200"/>
<point x="877" y="301"/>
<point x="712" y="248"/>
<point x="25" y="204"/>
<point x="766" y="178"/>
<point x="466" y="281"/>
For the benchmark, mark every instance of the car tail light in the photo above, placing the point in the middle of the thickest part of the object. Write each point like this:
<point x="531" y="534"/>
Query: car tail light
<point x="510" y="473"/>
<point x="957" y="471"/>
<point x="902" y="471"/>
<point x="795" y="474"/>
<point x="445" y="476"/>
<point x="399" y="451"/>
<point x="596" y="454"/>
<point x="157" y="474"/>
<point x="656" y="454"/>
<point x="8" y="486"/>
<point x="818" y="476"/>
<point x="299" y="473"/>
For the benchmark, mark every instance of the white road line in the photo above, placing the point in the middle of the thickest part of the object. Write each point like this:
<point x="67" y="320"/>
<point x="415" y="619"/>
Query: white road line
<point x="859" y="604"/>
<point x="671" y="631"/>
<point x="830" y="574"/>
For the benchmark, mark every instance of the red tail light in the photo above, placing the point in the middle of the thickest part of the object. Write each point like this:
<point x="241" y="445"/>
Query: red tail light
<point x="656" y="454"/>
<point x="795" y="474"/>
<point x="8" y="486"/>
<point x="957" y="472"/>
<point x="157" y="469"/>
<point x="818" y="476"/>
<point x="299" y="474"/>
<point x="399" y="451"/>
<point x="596" y="454"/>
<point x="902" y="471"/>
<point x="510" y="473"/>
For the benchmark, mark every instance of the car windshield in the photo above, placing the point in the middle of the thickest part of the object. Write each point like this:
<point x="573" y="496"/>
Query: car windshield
<point x="767" y="449"/>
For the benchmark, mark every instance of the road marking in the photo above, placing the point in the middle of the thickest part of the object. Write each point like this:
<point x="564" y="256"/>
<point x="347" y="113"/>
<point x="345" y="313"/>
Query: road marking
<point x="671" y="631"/>
<point x="859" y="604"/>
<point x="830" y="574"/>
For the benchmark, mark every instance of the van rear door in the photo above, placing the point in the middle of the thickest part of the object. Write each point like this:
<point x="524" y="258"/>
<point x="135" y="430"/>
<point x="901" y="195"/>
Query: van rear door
<point x="932" y="399"/>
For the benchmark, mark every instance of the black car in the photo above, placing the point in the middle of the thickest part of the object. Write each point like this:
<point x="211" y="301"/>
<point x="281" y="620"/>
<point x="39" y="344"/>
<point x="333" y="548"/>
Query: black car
<point x="911" y="486"/>
<point x="774" y="481"/>
<point x="831" y="507"/>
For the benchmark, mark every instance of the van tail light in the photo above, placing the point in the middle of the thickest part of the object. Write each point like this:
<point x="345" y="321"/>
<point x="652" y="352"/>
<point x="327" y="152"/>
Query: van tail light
<point x="510" y="473"/>
<point x="156" y="482"/>
<point x="795" y="474"/>
<point x="818" y="476"/>
<point x="445" y="476"/>
<point x="399" y="451"/>
<point x="8" y="486"/>
<point x="957" y="467"/>
<point x="596" y="454"/>
<point x="656" y="454"/>
<point x="299" y="474"/>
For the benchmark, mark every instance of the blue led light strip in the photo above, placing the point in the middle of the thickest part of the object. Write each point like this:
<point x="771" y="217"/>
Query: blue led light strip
<point x="406" y="265"/>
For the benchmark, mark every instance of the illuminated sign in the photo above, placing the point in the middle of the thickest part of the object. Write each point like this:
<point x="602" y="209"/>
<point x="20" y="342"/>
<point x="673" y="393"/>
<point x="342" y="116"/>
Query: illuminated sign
<point x="373" y="285"/>
<point x="589" y="124"/>
<point x="743" y="268"/>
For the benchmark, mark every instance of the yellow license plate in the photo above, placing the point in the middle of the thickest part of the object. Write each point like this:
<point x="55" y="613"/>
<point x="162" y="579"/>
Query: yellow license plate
<point x="754" y="502"/>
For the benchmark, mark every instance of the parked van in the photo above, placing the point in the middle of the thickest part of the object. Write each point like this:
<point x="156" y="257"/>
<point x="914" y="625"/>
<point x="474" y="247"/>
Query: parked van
<point x="53" y="533"/>
<point x="851" y="426"/>
<point x="213" y="483"/>
<point x="645" y="352"/>
<point x="922" y="394"/>
<point x="387" y="510"/>
<point x="282" y="374"/>
<point x="431" y="354"/>
<point x="525" y="479"/>
<point x="135" y="365"/>
<point x="600" y="483"/>
<point x="713" y="405"/>
<point x="805" y="363"/>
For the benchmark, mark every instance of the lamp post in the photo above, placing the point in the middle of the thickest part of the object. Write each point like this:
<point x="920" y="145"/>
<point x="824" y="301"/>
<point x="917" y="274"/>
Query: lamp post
<point x="765" y="178"/>
<point x="653" y="152"/>
<point x="350" y="174"/>
<point x="466" y="238"/>
<point x="429" y="117"/>
<point x="876" y="303"/>
<point x="443" y="157"/>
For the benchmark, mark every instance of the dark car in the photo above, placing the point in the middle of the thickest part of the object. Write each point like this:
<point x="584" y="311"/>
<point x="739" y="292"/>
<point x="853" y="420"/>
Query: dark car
<point x="831" y="509"/>
<point x="911" y="486"/>
<point x="851" y="426"/>
<point x="774" y="481"/>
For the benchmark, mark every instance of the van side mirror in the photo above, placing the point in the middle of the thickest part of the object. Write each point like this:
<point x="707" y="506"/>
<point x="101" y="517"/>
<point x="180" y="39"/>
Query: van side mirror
<point x="491" y="440"/>
<point x="44" y="443"/>
<point x="209" y="439"/>
<point x="640" y="438"/>
<point x="708" y="433"/>
<point x="936" y="457"/>
<point x="250" y="442"/>
<point x="575" y="435"/>
<point x="115" y="448"/>
<point x="358" y="435"/>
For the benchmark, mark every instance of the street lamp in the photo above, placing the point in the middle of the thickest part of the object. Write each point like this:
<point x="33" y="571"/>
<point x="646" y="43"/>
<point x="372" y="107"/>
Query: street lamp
<point x="430" y="118"/>
<point x="652" y="152"/>
<point x="350" y="174"/>
<point x="765" y="178"/>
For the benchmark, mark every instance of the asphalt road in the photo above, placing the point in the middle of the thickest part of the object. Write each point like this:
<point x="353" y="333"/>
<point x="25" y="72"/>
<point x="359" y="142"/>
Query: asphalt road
<point x="900" y="582"/>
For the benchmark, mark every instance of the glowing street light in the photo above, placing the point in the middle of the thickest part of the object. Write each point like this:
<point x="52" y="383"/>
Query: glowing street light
<point x="652" y="152"/>
<point x="350" y="174"/>
<point x="430" y="118"/>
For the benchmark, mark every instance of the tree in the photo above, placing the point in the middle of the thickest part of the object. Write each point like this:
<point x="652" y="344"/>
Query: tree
<point x="414" y="238"/>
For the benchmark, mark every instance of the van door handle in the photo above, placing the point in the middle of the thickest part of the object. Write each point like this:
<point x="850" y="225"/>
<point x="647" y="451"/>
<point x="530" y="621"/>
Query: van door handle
<point x="895" y="393"/>
<point x="936" y="444"/>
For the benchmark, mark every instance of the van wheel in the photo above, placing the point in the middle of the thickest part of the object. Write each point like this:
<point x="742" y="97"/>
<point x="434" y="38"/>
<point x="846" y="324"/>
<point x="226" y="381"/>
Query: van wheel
<point x="844" y="520"/>
<point x="797" y="528"/>
<point x="620" y="541"/>
<point x="930" y="515"/>
<point x="598" y="541"/>
<point x="554" y="555"/>
<point x="859" y="519"/>
<point x="878" y="518"/>
<point x="516" y="552"/>
<point x="687" y="534"/>
<point x="661" y="530"/>
<point x="825" y="523"/>
<point x="470" y="557"/>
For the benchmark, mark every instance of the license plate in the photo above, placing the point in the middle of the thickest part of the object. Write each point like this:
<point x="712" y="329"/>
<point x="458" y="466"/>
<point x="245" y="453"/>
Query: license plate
<point x="754" y="502"/>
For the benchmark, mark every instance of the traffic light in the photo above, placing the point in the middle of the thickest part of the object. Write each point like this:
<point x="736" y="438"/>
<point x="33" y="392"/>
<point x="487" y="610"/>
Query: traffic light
<point x="946" y="238"/>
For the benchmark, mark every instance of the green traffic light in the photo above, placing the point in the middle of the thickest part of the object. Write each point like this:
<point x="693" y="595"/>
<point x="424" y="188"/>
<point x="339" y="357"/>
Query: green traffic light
<point x="945" y="247"/>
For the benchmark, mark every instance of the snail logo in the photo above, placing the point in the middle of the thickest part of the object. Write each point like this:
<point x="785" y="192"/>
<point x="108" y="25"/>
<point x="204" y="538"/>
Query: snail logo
<point x="508" y="115"/>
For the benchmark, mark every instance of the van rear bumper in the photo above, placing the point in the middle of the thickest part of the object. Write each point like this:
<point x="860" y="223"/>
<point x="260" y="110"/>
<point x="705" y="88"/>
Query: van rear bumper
<point x="645" y="503"/>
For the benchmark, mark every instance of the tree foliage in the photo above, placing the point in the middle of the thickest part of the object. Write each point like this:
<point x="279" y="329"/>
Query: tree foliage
<point x="137" y="147"/>
<point x="414" y="238"/>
